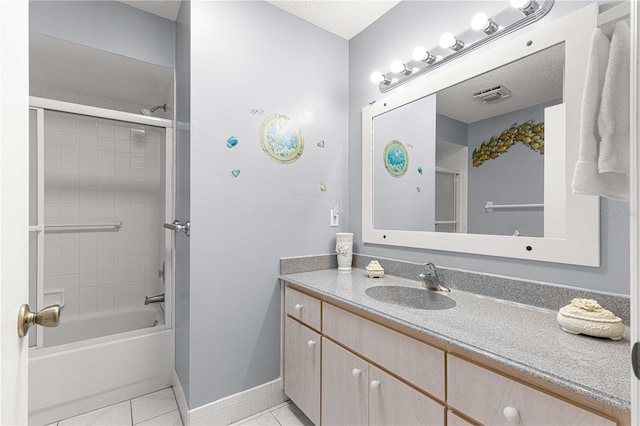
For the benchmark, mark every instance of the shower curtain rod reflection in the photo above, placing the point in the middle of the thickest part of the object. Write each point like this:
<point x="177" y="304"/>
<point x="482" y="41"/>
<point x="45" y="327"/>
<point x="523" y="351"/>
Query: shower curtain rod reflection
<point x="116" y="224"/>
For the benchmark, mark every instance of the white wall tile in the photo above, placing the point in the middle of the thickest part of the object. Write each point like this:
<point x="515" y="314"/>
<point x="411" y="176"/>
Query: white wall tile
<point x="87" y="293"/>
<point x="88" y="307"/>
<point x="70" y="281"/>
<point x="87" y="279"/>
<point x="240" y="410"/>
<point x="105" y="277"/>
<point x="97" y="171"/>
<point x="68" y="139"/>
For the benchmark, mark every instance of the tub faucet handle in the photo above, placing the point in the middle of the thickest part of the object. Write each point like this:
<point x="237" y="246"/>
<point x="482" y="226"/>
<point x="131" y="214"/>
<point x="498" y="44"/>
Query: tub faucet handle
<point x="154" y="299"/>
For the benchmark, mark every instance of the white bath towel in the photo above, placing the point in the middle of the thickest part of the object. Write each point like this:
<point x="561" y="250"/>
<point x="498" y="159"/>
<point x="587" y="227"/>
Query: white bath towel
<point x="613" y="120"/>
<point x="586" y="177"/>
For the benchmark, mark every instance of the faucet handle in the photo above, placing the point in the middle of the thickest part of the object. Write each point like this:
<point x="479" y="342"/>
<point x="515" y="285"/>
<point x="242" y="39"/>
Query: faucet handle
<point x="422" y="276"/>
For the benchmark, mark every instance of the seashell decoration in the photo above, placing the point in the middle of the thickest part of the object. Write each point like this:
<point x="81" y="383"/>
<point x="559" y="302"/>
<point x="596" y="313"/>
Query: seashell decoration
<point x="374" y="269"/>
<point x="586" y="316"/>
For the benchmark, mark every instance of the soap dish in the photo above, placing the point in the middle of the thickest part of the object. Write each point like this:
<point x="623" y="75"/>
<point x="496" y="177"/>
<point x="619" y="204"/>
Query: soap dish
<point x="586" y="316"/>
<point x="374" y="269"/>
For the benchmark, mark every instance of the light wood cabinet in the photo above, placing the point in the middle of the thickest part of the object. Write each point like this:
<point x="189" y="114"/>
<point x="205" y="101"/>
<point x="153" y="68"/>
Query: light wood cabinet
<point x="345" y="387"/>
<point x="343" y="369"/>
<point x="392" y="402"/>
<point x="355" y="392"/>
<point x="414" y="361"/>
<point x="303" y="307"/>
<point x="491" y="398"/>
<point x="455" y="420"/>
<point x="302" y="349"/>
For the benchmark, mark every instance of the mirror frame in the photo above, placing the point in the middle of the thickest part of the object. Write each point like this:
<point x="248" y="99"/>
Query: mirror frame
<point x="572" y="222"/>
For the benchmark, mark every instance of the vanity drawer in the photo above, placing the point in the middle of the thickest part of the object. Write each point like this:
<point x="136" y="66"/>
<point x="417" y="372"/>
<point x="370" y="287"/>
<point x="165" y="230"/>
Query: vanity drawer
<point x="302" y="307"/>
<point x="414" y="361"/>
<point x="491" y="398"/>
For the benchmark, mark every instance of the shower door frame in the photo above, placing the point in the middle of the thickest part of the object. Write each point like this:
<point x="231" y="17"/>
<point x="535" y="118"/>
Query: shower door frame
<point x="40" y="105"/>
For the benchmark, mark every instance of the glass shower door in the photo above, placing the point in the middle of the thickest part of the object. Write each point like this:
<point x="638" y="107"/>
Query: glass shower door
<point x="98" y="201"/>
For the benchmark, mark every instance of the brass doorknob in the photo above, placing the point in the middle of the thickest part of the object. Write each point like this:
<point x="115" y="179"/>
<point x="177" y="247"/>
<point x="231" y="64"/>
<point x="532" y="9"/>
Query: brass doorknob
<point x="47" y="317"/>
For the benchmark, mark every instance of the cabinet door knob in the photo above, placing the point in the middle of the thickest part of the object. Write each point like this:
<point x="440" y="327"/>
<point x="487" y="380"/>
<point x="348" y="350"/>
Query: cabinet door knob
<point x="356" y="372"/>
<point x="297" y="307"/>
<point x="511" y="414"/>
<point x="375" y="384"/>
<point x="311" y="343"/>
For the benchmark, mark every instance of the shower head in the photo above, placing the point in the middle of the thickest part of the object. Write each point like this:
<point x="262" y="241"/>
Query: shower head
<point x="145" y="111"/>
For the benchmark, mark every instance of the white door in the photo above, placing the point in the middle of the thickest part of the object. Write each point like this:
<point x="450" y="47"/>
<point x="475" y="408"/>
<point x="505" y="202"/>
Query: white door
<point x="634" y="198"/>
<point x="14" y="208"/>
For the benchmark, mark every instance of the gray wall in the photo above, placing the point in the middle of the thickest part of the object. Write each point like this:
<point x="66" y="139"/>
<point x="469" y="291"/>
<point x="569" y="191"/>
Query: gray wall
<point x="182" y="194"/>
<point x="515" y="177"/>
<point x="420" y="23"/>
<point x="253" y="56"/>
<point x="106" y="25"/>
<point x="450" y="130"/>
<point x="397" y="202"/>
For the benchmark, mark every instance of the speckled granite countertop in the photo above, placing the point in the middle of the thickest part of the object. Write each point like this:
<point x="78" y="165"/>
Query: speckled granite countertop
<point x="519" y="336"/>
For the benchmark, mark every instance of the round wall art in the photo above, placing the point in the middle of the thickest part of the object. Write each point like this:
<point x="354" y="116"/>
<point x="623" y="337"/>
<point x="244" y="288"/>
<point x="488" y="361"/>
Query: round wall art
<point x="396" y="159"/>
<point x="280" y="139"/>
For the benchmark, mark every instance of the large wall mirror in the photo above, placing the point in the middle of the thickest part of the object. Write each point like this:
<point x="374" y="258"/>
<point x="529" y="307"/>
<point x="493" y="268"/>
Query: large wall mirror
<point x="478" y="156"/>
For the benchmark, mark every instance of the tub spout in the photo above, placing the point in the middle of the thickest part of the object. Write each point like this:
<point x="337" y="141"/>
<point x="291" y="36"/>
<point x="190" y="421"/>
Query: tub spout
<point x="154" y="299"/>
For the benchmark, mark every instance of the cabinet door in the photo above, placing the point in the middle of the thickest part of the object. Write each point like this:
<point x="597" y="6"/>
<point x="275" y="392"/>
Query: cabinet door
<point x="302" y="368"/>
<point x="490" y="398"/>
<point x="391" y="402"/>
<point x="345" y="386"/>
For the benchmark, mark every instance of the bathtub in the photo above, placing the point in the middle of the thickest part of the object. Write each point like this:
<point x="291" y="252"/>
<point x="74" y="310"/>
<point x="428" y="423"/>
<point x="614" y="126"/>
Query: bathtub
<point x="84" y="365"/>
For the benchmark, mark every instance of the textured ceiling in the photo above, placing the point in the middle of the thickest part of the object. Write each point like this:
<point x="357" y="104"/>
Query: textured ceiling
<point x="345" y="18"/>
<point x="168" y="9"/>
<point x="533" y="80"/>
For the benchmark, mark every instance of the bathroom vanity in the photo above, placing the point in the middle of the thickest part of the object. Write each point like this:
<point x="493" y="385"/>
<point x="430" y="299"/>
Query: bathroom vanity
<point x="352" y="359"/>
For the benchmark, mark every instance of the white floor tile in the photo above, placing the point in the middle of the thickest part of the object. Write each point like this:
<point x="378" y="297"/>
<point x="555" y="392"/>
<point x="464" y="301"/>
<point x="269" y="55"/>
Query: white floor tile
<point x="248" y="419"/>
<point x="169" y="419"/>
<point x="152" y="405"/>
<point x="266" y="419"/>
<point x="290" y="415"/>
<point x="114" y="415"/>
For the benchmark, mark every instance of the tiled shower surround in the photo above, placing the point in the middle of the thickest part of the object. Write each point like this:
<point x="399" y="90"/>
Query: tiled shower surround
<point x="98" y="171"/>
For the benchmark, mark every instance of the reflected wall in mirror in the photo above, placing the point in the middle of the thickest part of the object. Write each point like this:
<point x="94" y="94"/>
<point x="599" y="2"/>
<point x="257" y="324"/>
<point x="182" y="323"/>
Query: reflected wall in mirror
<point x="477" y="142"/>
<point x="488" y="174"/>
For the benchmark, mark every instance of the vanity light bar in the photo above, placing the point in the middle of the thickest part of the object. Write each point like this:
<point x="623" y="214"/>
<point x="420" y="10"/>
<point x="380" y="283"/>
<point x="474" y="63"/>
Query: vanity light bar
<point x="483" y="31"/>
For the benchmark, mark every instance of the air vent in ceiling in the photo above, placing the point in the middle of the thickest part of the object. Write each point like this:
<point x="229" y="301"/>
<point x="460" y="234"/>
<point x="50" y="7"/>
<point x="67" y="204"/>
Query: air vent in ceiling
<point x="493" y="94"/>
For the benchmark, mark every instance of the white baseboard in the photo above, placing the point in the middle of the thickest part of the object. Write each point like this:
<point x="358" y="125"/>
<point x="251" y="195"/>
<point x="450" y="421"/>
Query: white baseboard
<point x="232" y="408"/>
<point x="180" y="399"/>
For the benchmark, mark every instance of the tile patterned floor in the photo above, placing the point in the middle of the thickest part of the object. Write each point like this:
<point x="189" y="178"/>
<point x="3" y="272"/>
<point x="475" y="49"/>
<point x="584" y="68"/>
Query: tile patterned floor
<point x="160" y="409"/>
<point x="285" y="414"/>
<point x="157" y="409"/>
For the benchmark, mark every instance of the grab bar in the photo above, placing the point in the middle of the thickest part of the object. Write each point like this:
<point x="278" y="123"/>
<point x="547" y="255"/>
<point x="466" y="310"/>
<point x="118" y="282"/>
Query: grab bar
<point x="489" y="207"/>
<point x="117" y="224"/>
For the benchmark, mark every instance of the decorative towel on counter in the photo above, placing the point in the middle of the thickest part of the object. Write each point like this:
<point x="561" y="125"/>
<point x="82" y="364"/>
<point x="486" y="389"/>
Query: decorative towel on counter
<point x="613" y="120"/>
<point x="587" y="178"/>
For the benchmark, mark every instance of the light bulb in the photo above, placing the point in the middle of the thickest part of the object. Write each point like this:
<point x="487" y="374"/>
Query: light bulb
<point x="421" y="54"/>
<point x="418" y="53"/>
<point x="520" y="4"/>
<point x="449" y="41"/>
<point x="527" y="7"/>
<point x="397" y="66"/>
<point x="481" y="22"/>
<point x="377" y="77"/>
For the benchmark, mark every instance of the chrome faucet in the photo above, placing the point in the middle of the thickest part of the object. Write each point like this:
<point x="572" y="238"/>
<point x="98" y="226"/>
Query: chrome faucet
<point x="154" y="299"/>
<point x="430" y="279"/>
